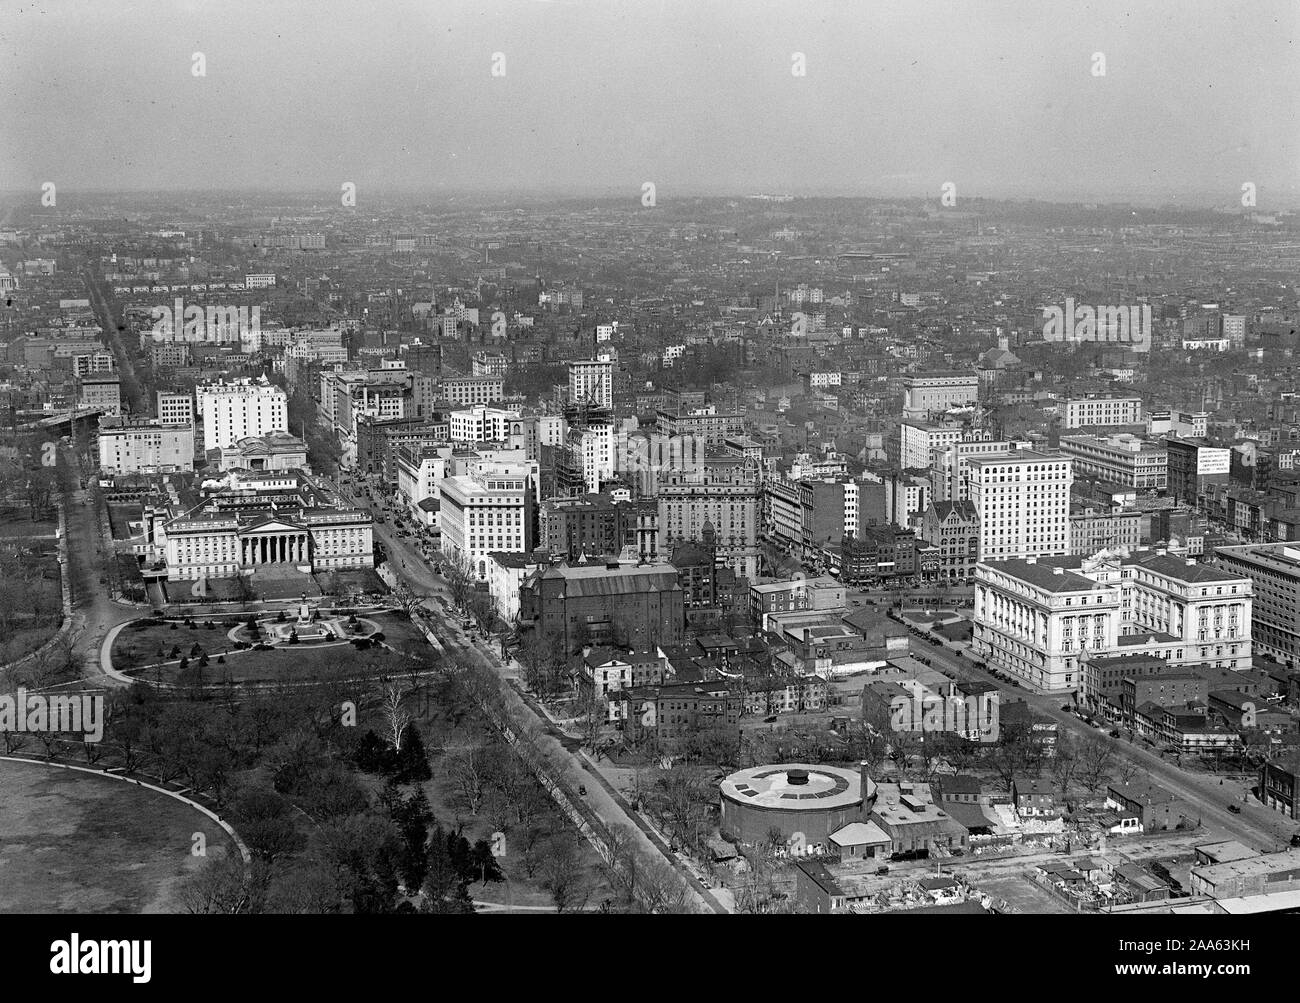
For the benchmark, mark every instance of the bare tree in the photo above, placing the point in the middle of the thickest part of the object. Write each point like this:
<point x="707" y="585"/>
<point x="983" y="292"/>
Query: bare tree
<point x="469" y="770"/>
<point x="226" y="887"/>
<point x="663" y="890"/>
<point x="1064" y="765"/>
<point x="1096" y="761"/>
<point x="485" y="611"/>
<point x="562" y="874"/>
<point x="1126" y="770"/>
<point x="459" y="576"/>
<point x="407" y="599"/>
<point x="1013" y="756"/>
<point x="594" y="716"/>
<point x="683" y="798"/>
<point x="397" y="717"/>
<point x="621" y="856"/>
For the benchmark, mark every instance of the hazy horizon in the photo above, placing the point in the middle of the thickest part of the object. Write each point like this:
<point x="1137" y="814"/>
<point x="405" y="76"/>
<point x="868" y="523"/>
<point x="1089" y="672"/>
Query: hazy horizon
<point x="996" y="98"/>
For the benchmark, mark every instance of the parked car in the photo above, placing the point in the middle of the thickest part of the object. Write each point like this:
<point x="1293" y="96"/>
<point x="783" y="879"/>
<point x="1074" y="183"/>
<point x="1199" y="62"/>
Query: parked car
<point x="1295" y="839"/>
<point x="582" y="790"/>
<point x="1235" y="809"/>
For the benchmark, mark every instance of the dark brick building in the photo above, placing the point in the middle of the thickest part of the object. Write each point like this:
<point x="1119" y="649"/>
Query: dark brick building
<point x="1279" y="784"/>
<point x="672" y="713"/>
<point x="379" y="440"/>
<point x="627" y="605"/>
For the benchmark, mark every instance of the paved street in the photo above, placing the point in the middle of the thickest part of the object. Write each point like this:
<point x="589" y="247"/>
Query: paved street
<point x="407" y="562"/>
<point x="1256" y="826"/>
<point x="94" y="614"/>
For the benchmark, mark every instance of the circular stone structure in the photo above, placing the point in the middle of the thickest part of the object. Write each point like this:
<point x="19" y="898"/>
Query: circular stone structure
<point x="798" y="799"/>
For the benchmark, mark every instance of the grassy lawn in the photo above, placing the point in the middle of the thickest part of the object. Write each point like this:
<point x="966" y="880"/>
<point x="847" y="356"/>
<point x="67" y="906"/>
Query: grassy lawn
<point x="30" y="599"/>
<point x="74" y="843"/>
<point x="24" y="527"/>
<point x="138" y="645"/>
<point x="296" y="663"/>
<point x="22" y="642"/>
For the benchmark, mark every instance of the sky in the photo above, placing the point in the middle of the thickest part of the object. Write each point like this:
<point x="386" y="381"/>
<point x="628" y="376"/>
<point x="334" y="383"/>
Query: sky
<point x="899" y="97"/>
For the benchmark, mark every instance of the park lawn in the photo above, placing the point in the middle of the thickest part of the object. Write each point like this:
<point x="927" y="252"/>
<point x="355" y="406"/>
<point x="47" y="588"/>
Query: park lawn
<point x="138" y="642"/>
<point x="76" y="843"/>
<point x="24" y="527"/>
<point x="20" y="643"/>
<point x="402" y="635"/>
<point x="293" y="663"/>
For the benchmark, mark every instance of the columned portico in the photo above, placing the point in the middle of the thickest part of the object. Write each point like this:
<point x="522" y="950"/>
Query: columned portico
<point x="275" y="548"/>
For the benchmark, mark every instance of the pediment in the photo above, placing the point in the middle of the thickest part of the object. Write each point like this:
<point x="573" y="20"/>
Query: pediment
<point x="272" y="526"/>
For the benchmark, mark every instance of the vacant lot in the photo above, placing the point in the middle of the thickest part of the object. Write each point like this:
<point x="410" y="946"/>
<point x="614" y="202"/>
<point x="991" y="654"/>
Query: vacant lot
<point x="1021" y="893"/>
<point x="76" y="843"/>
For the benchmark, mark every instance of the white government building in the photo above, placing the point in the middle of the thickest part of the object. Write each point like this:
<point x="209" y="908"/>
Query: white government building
<point x="1042" y="618"/>
<point x="248" y="522"/>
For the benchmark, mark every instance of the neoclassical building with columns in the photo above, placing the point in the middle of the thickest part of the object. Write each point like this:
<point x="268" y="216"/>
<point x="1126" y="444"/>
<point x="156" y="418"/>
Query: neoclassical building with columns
<point x="228" y="544"/>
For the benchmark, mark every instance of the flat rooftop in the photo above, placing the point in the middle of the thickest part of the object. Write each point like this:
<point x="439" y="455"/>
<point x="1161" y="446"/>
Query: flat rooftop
<point x="1264" y="864"/>
<point x="771" y="787"/>
<point x="1227" y="851"/>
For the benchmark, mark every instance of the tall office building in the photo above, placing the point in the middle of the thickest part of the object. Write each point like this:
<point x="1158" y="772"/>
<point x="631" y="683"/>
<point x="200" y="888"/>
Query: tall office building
<point x="489" y="508"/>
<point x="592" y="380"/>
<point x="1274" y="571"/>
<point x="1022" y="498"/>
<point x="950" y="467"/>
<point x="1234" y="329"/>
<point x="724" y="492"/>
<point x="237" y="410"/>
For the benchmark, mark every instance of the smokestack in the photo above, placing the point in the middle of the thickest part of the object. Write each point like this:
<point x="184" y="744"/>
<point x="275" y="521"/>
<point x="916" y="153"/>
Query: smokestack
<point x="868" y="789"/>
